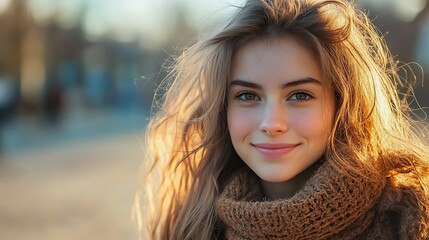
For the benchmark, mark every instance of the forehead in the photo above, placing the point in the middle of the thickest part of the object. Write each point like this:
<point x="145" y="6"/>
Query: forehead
<point x="280" y="57"/>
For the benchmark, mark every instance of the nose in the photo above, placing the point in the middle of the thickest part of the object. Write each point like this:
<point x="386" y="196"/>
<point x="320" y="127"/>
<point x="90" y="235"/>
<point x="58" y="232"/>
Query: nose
<point x="274" y="119"/>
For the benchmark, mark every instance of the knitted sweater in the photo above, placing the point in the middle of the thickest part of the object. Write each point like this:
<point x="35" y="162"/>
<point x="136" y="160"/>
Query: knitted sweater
<point x="330" y="206"/>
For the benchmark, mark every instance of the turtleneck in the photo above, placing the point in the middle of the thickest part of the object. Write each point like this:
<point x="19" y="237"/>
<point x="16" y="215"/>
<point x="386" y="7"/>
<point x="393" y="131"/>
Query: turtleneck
<point x="330" y="205"/>
<point x="286" y="189"/>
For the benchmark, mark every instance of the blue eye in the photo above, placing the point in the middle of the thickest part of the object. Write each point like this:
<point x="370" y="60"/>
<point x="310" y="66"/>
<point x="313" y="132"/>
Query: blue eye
<point x="247" y="96"/>
<point x="300" y="96"/>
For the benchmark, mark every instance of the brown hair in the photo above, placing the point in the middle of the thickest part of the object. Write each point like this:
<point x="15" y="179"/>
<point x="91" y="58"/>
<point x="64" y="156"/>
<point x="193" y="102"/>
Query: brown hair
<point x="188" y="151"/>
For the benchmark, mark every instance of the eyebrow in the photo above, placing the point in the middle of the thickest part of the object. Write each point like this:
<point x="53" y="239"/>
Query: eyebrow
<point x="307" y="80"/>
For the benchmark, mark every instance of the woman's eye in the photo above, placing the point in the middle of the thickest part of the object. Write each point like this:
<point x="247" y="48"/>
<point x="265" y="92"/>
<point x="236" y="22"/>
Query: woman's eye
<point x="248" y="97"/>
<point x="300" y="96"/>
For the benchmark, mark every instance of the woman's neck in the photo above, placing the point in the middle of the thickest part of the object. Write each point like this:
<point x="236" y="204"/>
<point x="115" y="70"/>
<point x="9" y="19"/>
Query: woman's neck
<point x="282" y="190"/>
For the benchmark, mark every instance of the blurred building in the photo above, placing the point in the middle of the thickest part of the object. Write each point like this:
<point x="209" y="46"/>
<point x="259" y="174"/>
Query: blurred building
<point x="405" y="27"/>
<point x="56" y="68"/>
<point x="53" y="69"/>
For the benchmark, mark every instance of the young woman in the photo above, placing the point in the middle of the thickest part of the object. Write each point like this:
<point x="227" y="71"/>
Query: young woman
<point x="286" y="124"/>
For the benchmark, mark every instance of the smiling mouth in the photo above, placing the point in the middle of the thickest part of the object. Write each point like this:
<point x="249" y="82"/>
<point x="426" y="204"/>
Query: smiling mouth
<point x="274" y="149"/>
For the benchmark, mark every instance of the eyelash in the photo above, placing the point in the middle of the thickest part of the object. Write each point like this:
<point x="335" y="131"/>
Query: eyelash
<point x="309" y="96"/>
<point x="243" y="93"/>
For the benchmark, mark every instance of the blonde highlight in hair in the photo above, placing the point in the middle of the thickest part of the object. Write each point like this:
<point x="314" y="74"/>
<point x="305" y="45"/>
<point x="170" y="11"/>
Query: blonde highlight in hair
<point x="188" y="153"/>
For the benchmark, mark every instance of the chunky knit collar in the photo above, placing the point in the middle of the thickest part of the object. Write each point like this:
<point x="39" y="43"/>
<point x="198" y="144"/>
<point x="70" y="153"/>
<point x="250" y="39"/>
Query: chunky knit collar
<point x="330" y="204"/>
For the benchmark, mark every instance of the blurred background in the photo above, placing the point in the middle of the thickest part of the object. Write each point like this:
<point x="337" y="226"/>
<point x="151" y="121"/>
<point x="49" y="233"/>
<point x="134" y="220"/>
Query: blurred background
<point x="77" y="78"/>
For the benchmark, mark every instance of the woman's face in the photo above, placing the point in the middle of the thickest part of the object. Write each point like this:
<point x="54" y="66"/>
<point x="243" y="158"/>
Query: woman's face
<point x="280" y="110"/>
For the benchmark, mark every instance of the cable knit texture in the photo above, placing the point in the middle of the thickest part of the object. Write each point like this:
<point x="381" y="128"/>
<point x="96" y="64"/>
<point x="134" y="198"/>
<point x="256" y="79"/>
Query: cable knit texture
<point x="330" y="206"/>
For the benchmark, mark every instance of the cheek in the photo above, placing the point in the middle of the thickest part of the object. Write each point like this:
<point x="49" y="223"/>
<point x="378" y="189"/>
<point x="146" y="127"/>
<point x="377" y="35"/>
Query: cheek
<point x="313" y="124"/>
<point x="240" y="123"/>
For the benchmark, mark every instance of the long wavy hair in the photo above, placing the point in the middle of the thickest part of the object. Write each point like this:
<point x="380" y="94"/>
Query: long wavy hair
<point x="188" y="152"/>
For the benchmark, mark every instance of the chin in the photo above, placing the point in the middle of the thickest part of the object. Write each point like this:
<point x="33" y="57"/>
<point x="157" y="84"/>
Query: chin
<point x="275" y="177"/>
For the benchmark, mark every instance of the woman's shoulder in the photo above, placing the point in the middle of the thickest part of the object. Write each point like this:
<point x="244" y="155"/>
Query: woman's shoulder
<point x="404" y="203"/>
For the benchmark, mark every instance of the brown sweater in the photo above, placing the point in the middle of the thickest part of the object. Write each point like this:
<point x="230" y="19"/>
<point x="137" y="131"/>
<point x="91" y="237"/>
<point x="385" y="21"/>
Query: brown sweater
<point x="329" y="206"/>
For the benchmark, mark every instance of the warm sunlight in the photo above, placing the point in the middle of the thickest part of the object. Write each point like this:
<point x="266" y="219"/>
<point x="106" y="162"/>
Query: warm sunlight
<point x="4" y="4"/>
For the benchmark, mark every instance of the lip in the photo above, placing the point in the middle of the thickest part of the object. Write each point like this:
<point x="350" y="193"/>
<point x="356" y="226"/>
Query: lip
<point x="274" y="149"/>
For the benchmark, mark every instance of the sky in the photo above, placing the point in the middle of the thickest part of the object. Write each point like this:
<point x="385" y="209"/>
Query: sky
<point x="126" y="20"/>
<point x="405" y="10"/>
<point x="155" y="20"/>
